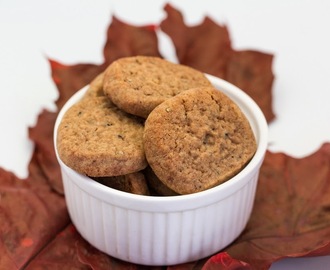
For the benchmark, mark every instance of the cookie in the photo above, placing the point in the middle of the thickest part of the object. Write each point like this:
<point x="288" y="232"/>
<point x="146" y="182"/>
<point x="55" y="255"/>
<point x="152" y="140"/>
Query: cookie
<point x="197" y="140"/>
<point x="95" y="88"/>
<point x="97" y="139"/>
<point x="159" y="188"/>
<point x="134" y="183"/>
<point x="138" y="84"/>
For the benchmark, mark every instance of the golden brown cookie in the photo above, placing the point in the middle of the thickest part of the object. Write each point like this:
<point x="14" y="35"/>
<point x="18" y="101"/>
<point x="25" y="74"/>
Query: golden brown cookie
<point x="197" y="140"/>
<point x="134" y="183"/>
<point x="138" y="84"/>
<point x="97" y="139"/>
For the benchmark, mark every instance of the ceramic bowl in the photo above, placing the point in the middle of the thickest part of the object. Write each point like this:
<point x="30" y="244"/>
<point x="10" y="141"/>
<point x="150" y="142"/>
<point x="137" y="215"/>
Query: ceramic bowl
<point x="168" y="230"/>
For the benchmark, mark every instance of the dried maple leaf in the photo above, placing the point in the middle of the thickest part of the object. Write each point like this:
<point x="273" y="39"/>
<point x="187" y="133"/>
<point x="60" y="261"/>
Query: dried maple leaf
<point x="69" y="79"/>
<point x="60" y="253"/>
<point x="42" y="136"/>
<point x="207" y="47"/>
<point x="291" y="215"/>
<point x="31" y="214"/>
<point x="220" y="261"/>
<point x="128" y="40"/>
<point x="223" y="261"/>
<point x="252" y="72"/>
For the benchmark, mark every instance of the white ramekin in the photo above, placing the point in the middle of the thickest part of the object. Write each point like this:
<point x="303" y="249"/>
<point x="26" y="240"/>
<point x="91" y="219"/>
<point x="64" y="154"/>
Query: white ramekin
<point x="166" y="230"/>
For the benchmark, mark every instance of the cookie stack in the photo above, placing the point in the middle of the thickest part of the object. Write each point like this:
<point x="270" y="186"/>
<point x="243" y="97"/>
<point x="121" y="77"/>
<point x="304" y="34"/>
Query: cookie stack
<point x="152" y="127"/>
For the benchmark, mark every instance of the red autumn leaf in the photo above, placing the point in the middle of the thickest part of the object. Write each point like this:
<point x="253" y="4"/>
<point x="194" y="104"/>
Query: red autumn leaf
<point x="128" y="40"/>
<point x="223" y="261"/>
<point x="69" y="79"/>
<point x="291" y="215"/>
<point x="207" y="47"/>
<point x="60" y="253"/>
<point x="252" y="72"/>
<point x="31" y="213"/>
<point x="189" y="266"/>
<point x="42" y="136"/>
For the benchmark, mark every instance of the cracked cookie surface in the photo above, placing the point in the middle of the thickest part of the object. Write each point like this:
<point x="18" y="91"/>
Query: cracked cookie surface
<point x="138" y="84"/>
<point x="197" y="140"/>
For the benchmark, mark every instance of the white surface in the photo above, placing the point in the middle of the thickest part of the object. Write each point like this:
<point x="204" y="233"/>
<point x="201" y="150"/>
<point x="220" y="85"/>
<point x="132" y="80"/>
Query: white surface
<point x="295" y="31"/>
<point x="153" y="230"/>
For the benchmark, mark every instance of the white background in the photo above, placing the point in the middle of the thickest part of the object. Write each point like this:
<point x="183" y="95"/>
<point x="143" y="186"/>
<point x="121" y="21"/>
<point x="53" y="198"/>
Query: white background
<point x="296" y="32"/>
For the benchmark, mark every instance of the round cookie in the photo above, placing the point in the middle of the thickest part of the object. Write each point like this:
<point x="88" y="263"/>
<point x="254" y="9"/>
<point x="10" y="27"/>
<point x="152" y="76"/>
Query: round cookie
<point x="97" y="139"/>
<point x="197" y="140"/>
<point x="138" y="84"/>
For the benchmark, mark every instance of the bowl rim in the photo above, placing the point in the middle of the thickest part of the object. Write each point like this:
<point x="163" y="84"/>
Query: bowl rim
<point x="180" y="202"/>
